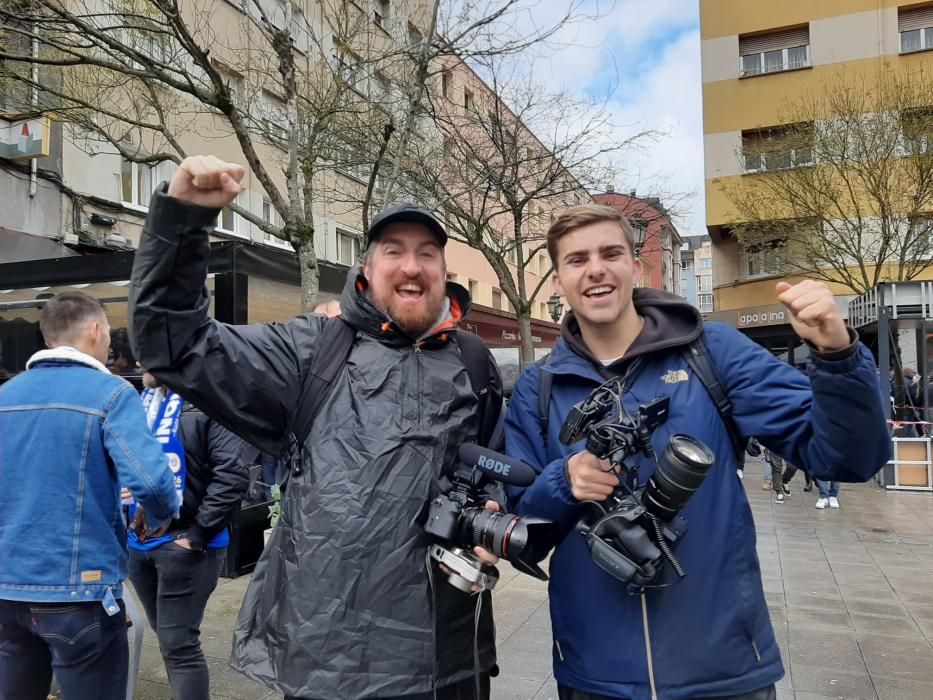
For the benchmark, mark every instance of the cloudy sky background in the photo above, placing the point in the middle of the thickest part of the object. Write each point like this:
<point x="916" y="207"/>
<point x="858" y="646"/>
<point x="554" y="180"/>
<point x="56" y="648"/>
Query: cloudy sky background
<point x="645" y="54"/>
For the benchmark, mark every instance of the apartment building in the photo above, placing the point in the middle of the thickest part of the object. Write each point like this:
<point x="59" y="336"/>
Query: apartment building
<point x="756" y="59"/>
<point x="696" y="272"/>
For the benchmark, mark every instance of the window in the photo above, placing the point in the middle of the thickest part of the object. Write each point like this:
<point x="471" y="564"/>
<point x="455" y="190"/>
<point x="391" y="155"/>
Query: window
<point x="381" y="13"/>
<point x="273" y="117"/>
<point x="379" y="90"/>
<point x="771" y="53"/>
<point x="228" y="221"/>
<point x="467" y="99"/>
<point x="351" y="162"/>
<point x="705" y="303"/>
<point x="415" y="37"/>
<point x="234" y="83"/>
<point x="346" y="65"/>
<point x="348" y="247"/>
<point x="916" y="29"/>
<point x="136" y="181"/>
<point x="474" y="289"/>
<point x="445" y="84"/>
<point x="153" y="44"/>
<point x="706" y="263"/>
<point x="705" y="283"/>
<point x="777" y="148"/>
<point x="496" y="299"/>
<point x="761" y="262"/>
<point x="269" y="216"/>
<point x="686" y="264"/>
<point x="917" y="126"/>
<point x="920" y="241"/>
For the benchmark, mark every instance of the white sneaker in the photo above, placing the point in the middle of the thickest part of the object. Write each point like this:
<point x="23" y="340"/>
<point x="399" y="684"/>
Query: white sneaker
<point x="740" y="473"/>
<point x="786" y="491"/>
<point x="822" y="503"/>
<point x="779" y="498"/>
<point x="833" y="502"/>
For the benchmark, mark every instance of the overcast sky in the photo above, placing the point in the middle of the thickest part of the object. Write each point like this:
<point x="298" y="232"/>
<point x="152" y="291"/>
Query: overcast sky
<point x="646" y="54"/>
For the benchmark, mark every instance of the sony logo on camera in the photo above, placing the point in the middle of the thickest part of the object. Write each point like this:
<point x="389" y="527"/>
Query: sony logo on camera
<point x="494" y="465"/>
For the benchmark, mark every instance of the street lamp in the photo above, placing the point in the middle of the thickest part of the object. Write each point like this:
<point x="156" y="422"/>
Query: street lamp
<point x="640" y="226"/>
<point x="555" y="307"/>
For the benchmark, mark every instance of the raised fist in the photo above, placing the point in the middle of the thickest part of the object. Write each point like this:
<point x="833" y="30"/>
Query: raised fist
<point x="814" y="314"/>
<point x="206" y="181"/>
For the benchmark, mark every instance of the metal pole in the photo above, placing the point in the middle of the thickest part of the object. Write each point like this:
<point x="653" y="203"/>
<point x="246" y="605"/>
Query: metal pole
<point x="884" y="381"/>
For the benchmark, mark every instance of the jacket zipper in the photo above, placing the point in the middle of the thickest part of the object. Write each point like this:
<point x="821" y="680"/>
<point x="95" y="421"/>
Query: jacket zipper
<point x="419" y="390"/>
<point x="644" y="618"/>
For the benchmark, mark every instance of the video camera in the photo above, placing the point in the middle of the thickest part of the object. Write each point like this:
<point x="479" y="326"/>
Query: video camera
<point x="460" y="519"/>
<point x="639" y="525"/>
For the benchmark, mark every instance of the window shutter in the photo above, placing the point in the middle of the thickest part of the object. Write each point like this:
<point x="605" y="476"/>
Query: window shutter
<point x="908" y="20"/>
<point x="774" y="42"/>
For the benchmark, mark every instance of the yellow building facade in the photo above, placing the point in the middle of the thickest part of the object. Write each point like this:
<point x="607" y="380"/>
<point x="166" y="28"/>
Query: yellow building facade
<point x="757" y="58"/>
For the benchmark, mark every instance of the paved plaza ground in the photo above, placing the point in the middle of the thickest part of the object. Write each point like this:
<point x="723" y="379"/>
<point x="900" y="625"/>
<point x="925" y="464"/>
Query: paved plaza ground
<point x="850" y="593"/>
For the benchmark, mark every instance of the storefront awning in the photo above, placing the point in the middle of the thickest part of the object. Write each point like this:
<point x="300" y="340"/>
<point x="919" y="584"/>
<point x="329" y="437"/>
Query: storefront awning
<point x="19" y="247"/>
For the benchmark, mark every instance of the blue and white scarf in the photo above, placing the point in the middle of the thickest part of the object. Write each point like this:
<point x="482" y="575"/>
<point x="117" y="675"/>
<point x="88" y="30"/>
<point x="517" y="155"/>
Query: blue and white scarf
<point x="163" y="414"/>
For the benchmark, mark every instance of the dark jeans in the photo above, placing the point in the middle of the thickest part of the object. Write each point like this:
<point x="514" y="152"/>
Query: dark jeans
<point x="173" y="584"/>
<point x="464" y="690"/>
<point x="86" y="647"/>
<point x="769" y="693"/>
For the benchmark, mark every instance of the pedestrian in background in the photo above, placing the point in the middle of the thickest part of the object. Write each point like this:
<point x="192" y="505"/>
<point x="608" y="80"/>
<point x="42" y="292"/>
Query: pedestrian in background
<point x="175" y="572"/>
<point x="70" y="434"/>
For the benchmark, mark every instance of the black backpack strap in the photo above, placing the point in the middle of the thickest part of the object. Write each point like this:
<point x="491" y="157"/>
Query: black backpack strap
<point x="333" y="349"/>
<point x="545" y="382"/>
<point x="698" y="358"/>
<point x="486" y="384"/>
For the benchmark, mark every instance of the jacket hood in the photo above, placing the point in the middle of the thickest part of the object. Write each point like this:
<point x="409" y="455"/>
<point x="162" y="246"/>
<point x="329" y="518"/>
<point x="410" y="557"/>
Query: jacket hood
<point x="670" y="321"/>
<point x="358" y="309"/>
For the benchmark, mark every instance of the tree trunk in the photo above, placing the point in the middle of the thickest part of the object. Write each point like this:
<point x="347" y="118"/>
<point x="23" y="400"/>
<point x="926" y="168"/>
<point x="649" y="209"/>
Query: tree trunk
<point x="310" y="278"/>
<point x="527" y="346"/>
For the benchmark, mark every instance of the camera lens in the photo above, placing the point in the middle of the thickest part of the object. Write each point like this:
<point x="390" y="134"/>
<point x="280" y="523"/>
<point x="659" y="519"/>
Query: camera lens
<point x="495" y="531"/>
<point x="682" y="467"/>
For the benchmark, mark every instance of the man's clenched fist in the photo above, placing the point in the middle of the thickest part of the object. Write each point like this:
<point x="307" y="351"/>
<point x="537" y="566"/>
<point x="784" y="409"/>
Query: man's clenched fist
<point x="814" y="314"/>
<point x="207" y="181"/>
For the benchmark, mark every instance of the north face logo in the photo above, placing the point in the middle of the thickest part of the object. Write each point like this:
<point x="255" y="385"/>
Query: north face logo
<point x="672" y="376"/>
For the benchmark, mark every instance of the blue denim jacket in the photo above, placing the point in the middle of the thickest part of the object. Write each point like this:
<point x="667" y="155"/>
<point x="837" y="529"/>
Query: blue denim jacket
<point x="70" y="434"/>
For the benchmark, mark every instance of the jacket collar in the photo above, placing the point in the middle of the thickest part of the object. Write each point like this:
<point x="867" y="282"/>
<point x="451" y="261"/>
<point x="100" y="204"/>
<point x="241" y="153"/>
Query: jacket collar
<point x="67" y="354"/>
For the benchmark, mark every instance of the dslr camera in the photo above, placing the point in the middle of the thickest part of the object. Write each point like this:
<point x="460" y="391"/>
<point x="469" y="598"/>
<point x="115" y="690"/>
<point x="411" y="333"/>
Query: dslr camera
<point x="633" y="534"/>
<point x="459" y="520"/>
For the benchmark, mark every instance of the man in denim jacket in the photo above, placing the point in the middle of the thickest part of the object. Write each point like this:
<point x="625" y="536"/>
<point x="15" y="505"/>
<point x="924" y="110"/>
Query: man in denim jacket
<point x="70" y="434"/>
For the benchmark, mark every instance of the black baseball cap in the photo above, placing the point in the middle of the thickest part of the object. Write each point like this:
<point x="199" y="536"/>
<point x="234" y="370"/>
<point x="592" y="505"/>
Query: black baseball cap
<point x="406" y="212"/>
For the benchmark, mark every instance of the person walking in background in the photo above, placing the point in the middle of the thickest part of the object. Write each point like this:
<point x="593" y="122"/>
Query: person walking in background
<point x="829" y="494"/>
<point x="175" y="572"/>
<point x="782" y="472"/>
<point x="70" y="434"/>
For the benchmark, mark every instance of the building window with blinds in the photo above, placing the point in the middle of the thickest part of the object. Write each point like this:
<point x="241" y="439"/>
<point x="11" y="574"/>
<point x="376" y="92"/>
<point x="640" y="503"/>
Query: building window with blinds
<point x="777" y="148"/>
<point x="916" y="29"/>
<point x="775" y="52"/>
<point x="917" y="127"/>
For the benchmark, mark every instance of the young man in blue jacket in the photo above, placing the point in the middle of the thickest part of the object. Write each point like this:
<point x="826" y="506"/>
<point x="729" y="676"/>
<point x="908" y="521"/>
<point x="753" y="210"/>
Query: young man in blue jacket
<point x="709" y="634"/>
<point x="70" y="434"/>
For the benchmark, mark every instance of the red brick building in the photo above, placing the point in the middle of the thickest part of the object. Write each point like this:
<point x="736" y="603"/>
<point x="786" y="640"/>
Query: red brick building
<point x="660" y="250"/>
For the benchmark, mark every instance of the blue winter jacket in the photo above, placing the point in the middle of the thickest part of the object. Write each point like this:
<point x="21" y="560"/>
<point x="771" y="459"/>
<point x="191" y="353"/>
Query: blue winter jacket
<point x="710" y="633"/>
<point x="70" y="435"/>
